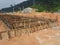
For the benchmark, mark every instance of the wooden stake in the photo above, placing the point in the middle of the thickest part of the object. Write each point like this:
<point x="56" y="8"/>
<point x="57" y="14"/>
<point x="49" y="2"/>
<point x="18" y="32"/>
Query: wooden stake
<point x="9" y="36"/>
<point x="15" y="33"/>
<point x="0" y="36"/>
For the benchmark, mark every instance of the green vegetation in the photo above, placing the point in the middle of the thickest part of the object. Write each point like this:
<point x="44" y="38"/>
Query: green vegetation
<point x="39" y="7"/>
<point x="47" y="5"/>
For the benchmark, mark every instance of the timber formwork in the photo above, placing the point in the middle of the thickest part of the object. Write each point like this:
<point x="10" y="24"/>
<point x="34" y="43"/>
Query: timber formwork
<point x="19" y="25"/>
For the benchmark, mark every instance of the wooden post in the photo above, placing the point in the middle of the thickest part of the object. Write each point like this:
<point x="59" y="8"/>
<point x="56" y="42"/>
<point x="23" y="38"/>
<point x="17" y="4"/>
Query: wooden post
<point x="39" y="25"/>
<point x="0" y="36"/>
<point x="9" y="36"/>
<point x="24" y="23"/>
<point x="29" y="22"/>
<point x="30" y="28"/>
<point x="20" y="32"/>
<point x="34" y="29"/>
<point x="31" y="31"/>
<point x="15" y="32"/>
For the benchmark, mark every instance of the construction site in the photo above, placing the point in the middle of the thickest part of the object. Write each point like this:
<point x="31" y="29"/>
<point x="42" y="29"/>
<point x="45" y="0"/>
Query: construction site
<point x="37" y="28"/>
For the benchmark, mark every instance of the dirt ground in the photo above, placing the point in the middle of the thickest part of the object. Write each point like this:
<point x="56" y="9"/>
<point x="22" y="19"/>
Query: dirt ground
<point x="50" y="36"/>
<point x="43" y="37"/>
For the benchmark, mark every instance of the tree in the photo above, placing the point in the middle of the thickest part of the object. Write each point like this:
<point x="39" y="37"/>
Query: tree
<point x="49" y="5"/>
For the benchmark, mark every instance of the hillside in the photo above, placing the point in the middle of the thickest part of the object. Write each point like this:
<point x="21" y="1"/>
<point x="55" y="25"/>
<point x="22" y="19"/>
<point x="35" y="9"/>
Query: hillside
<point x="41" y="5"/>
<point x="18" y="6"/>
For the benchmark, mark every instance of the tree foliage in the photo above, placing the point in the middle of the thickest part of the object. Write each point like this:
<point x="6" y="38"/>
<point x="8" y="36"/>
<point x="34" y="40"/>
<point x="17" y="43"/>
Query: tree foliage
<point x="47" y="5"/>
